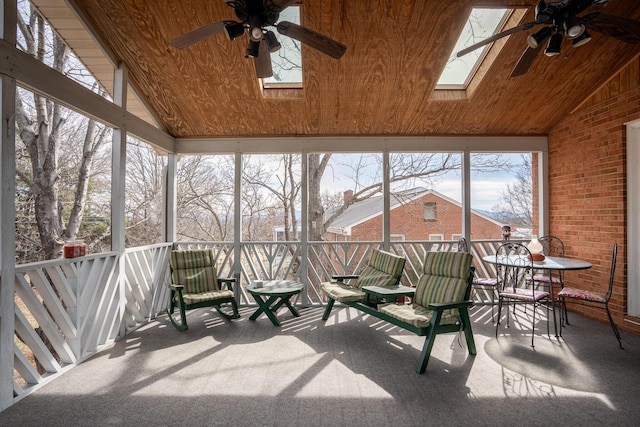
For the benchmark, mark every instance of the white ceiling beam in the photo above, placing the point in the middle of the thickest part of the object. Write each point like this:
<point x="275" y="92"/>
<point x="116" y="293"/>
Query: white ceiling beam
<point x="268" y="145"/>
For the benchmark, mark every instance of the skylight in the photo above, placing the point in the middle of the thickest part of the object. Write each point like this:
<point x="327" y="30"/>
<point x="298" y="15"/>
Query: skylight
<point x="286" y="62"/>
<point x="481" y="23"/>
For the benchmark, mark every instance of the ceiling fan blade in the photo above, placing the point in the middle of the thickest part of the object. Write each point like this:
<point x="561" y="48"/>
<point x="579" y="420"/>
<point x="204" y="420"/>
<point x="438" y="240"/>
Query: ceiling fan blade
<point x="262" y="62"/>
<point x="525" y="61"/>
<point x="278" y="5"/>
<point x="198" y="34"/>
<point x="496" y="37"/>
<point x="312" y="38"/>
<point x="619" y="27"/>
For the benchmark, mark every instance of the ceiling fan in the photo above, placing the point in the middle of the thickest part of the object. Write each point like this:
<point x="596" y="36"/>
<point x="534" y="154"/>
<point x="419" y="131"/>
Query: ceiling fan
<point x="254" y="16"/>
<point x="560" y="19"/>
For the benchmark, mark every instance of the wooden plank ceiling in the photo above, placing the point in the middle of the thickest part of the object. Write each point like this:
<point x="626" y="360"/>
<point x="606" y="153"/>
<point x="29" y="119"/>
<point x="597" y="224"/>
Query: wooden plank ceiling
<point x="383" y="85"/>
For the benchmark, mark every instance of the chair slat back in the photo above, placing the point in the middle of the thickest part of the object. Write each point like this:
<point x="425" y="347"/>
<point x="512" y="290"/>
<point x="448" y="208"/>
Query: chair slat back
<point x="194" y="269"/>
<point x="445" y="278"/>
<point x="383" y="269"/>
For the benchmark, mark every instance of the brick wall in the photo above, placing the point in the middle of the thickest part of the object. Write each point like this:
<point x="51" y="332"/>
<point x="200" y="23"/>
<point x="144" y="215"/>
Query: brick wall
<point x="587" y="187"/>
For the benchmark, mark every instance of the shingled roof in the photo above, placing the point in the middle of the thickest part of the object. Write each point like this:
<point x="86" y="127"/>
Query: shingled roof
<point x="364" y="210"/>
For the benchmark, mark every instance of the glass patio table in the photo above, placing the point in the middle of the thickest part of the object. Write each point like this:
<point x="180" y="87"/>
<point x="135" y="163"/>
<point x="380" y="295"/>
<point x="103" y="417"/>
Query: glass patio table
<point x="549" y="263"/>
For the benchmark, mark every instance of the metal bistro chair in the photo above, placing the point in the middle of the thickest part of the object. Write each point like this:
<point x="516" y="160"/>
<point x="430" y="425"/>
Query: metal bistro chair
<point x="552" y="246"/>
<point x="490" y="283"/>
<point x="516" y="284"/>
<point x="463" y="246"/>
<point x="593" y="297"/>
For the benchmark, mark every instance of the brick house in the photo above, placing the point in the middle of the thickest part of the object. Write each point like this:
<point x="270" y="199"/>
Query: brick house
<point x="416" y="214"/>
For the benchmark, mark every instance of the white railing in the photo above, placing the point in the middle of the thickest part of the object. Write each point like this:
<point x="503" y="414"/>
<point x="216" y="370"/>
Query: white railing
<point x="68" y="309"/>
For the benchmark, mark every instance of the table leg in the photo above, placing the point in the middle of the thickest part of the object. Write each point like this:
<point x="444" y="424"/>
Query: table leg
<point x="263" y="307"/>
<point x="292" y="309"/>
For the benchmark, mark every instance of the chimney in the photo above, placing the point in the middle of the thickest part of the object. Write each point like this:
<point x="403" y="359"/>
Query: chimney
<point x="347" y="196"/>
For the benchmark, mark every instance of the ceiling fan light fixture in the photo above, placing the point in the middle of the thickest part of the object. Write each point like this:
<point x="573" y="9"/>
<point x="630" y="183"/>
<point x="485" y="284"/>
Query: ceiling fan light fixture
<point x="573" y="27"/>
<point x="272" y="42"/>
<point x="584" y="38"/>
<point x="253" y="48"/>
<point x="233" y="31"/>
<point x="553" y="48"/>
<point x="255" y="33"/>
<point x="534" y="40"/>
<point x="543" y="13"/>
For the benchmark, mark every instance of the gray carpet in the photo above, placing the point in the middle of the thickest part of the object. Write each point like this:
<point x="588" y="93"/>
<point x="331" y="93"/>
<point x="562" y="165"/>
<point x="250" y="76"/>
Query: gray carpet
<point x="351" y="370"/>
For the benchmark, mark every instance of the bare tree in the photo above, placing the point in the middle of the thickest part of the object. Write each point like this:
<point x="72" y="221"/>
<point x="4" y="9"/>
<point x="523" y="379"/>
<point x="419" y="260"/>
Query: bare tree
<point x="279" y="178"/>
<point x="40" y="126"/>
<point x="205" y="198"/>
<point x="144" y="197"/>
<point x="517" y="199"/>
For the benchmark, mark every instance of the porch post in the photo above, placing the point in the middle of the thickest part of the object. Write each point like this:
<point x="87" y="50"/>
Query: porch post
<point x="118" y="174"/>
<point x="8" y="209"/>
<point x="118" y="165"/>
<point x="171" y="198"/>
<point x="386" y="191"/>
<point x="237" y="225"/>
<point x="466" y="196"/>
<point x="543" y="193"/>
<point x="304" y="234"/>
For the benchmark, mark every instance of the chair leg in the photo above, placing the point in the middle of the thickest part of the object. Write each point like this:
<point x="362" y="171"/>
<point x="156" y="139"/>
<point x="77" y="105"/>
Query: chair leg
<point x="428" y="343"/>
<point x="233" y="315"/>
<point x="468" y="332"/>
<point x="327" y="310"/>
<point x="613" y="326"/>
<point x="182" y="325"/>
<point x="561" y="306"/>
<point x="493" y="304"/>
<point x="500" y="314"/>
<point x="533" y="324"/>
<point x="565" y="313"/>
<point x="555" y="324"/>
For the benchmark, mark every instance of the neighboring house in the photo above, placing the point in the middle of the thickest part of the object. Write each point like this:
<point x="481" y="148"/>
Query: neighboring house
<point x="416" y="214"/>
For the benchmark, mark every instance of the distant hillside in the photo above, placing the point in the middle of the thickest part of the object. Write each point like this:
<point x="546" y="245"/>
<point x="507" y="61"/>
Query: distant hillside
<point x="503" y="217"/>
<point x="490" y="214"/>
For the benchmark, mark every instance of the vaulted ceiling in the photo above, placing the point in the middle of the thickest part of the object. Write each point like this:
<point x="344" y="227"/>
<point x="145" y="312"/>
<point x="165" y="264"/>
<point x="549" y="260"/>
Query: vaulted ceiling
<point x="383" y="85"/>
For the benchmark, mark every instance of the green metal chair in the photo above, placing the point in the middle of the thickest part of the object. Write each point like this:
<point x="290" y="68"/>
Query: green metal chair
<point x="195" y="284"/>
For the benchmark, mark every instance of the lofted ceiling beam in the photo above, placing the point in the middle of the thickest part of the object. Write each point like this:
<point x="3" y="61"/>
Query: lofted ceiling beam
<point x="38" y="77"/>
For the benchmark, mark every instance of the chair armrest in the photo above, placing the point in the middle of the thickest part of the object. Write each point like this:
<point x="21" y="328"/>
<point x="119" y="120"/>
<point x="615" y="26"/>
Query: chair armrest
<point x="176" y="291"/>
<point x="448" y="305"/>
<point x="342" y="277"/>
<point x="228" y="281"/>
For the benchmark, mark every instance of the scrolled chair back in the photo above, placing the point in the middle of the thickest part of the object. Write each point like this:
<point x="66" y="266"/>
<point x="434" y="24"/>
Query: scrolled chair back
<point x="514" y="265"/>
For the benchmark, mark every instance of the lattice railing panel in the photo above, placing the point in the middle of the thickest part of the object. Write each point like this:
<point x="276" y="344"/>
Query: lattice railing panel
<point x="146" y="277"/>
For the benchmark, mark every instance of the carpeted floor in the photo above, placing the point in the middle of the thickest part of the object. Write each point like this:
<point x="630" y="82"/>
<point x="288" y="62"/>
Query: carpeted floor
<point x="351" y="370"/>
